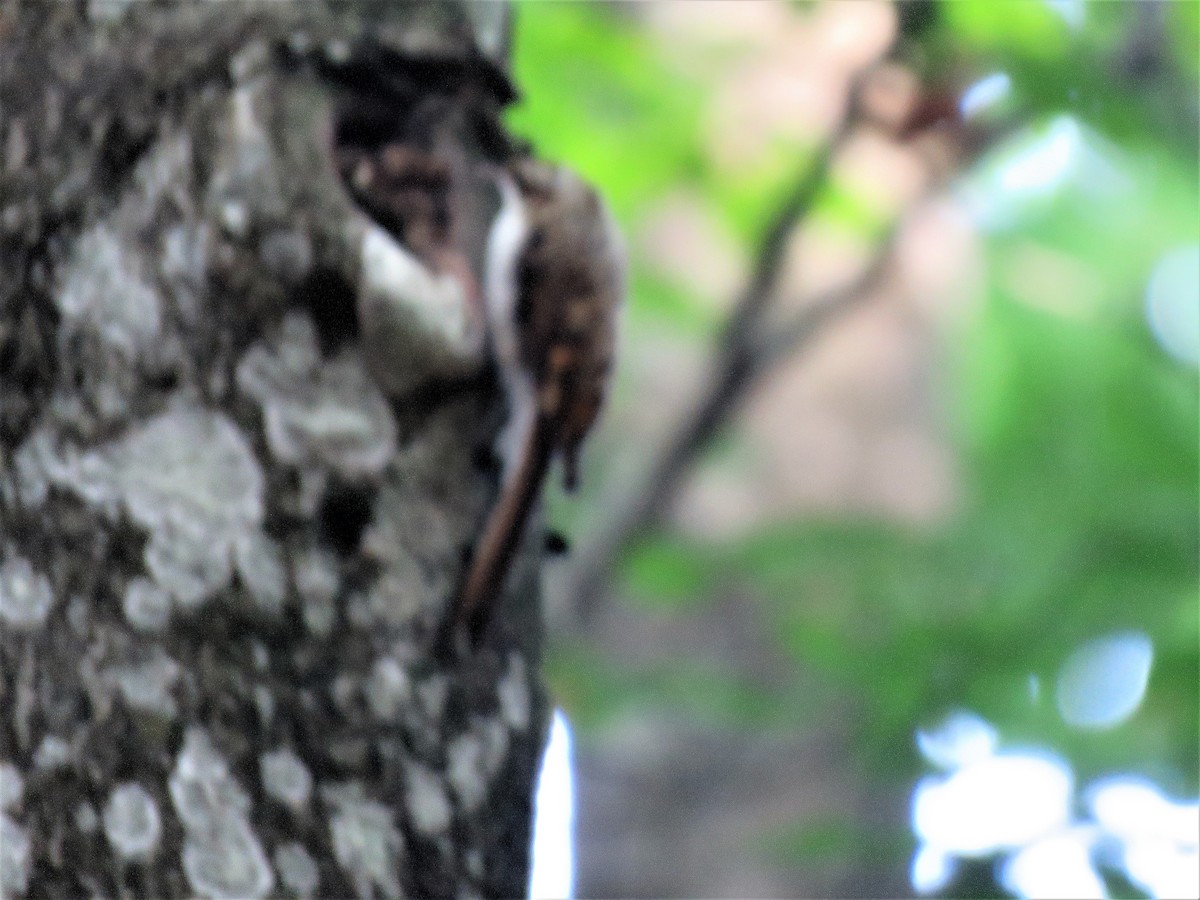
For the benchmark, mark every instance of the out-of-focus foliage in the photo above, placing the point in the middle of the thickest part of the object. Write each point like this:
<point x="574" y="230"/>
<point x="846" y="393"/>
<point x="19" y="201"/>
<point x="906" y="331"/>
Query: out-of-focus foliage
<point x="1076" y="433"/>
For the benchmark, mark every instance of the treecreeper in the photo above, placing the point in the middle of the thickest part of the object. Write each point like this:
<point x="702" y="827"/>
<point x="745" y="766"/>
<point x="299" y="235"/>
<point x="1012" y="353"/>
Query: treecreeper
<point x="553" y="287"/>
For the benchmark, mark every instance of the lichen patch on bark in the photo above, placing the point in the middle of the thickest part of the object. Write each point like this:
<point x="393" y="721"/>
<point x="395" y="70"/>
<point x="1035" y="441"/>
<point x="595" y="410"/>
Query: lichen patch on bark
<point x="366" y="840"/>
<point x="222" y="857"/>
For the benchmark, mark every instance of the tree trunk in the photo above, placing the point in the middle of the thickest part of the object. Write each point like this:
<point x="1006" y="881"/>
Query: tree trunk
<point x="242" y="404"/>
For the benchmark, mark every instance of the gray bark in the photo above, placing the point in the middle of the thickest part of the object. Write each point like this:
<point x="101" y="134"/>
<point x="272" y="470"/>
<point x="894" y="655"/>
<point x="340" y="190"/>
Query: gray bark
<point x="240" y="421"/>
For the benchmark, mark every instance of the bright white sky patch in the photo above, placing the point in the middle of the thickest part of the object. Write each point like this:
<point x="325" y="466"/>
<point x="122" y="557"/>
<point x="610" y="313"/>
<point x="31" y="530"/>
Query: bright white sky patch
<point x="984" y="94"/>
<point x="1163" y="870"/>
<point x="1072" y="12"/>
<point x="1058" y="867"/>
<point x="932" y="868"/>
<point x="1017" y="806"/>
<point x="961" y="738"/>
<point x="1173" y="303"/>
<point x="1032" y="166"/>
<point x="1159" y="837"/>
<point x="1129" y="807"/>
<point x="1045" y="163"/>
<point x="1024" y="175"/>
<point x="1103" y="682"/>
<point x="999" y="802"/>
<point x="552" y="869"/>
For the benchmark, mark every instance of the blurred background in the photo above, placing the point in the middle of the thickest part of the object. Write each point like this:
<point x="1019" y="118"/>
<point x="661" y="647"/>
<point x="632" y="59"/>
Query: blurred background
<point x="884" y="568"/>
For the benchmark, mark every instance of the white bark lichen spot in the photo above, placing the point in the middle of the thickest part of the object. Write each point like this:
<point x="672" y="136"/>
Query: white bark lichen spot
<point x="318" y="414"/>
<point x="395" y="598"/>
<point x="192" y="571"/>
<point x="426" y="801"/>
<point x="319" y="618"/>
<point x="161" y="176"/>
<point x="245" y="115"/>
<point x="358" y="611"/>
<point x="12" y="787"/>
<point x="147" y="606"/>
<point x="189" y="478"/>
<point x="316" y="574"/>
<point x="52" y="753"/>
<point x="285" y="778"/>
<point x="26" y="597"/>
<point x="79" y="616"/>
<point x="183" y="265"/>
<point x="438" y="302"/>
<point x="234" y="218"/>
<point x="222" y="857"/>
<point x="107" y="10"/>
<point x="286" y="254"/>
<point x="432" y="694"/>
<point x="344" y="691"/>
<point x="264" y="702"/>
<point x="338" y="51"/>
<point x="105" y="289"/>
<point x="296" y="869"/>
<point x="31" y="465"/>
<point x="311" y="490"/>
<point x="249" y="61"/>
<point x="300" y="43"/>
<point x="245" y="187"/>
<point x="131" y="821"/>
<point x="473" y="860"/>
<point x="260" y="567"/>
<point x="15" y="858"/>
<point x="260" y="656"/>
<point x="415" y="324"/>
<point x="317" y="578"/>
<point x="513" y="694"/>
<point x="366" y="841"/>
<point x="146" y="686"/>
<point x="86" y="819"/>
<point x="388" y="689"/>
<point x="473" y="758"/>
<point x="91" y="477"/>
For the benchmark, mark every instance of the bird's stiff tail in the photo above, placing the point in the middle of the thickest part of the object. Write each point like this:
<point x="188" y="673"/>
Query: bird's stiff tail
<point x="484" y="581"/>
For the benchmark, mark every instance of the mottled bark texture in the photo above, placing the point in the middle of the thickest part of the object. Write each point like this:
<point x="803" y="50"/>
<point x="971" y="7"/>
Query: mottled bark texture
<point x="243" y="394"/>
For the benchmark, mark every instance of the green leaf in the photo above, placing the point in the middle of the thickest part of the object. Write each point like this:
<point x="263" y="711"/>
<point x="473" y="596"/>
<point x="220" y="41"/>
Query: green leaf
<point x="669" y="573"/>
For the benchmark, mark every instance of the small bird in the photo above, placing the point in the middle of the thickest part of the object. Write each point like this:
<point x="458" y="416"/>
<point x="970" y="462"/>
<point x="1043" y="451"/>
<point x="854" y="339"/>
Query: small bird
<point x="554" y="283"/>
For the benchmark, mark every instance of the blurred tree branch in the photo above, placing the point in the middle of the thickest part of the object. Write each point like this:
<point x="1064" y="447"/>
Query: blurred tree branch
<point x="748" y="351"/>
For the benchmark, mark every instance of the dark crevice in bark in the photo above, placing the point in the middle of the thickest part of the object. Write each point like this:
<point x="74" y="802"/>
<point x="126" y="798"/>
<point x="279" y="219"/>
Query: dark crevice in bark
<point x="345" y="513"/>
<point x="329" y="298"/>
